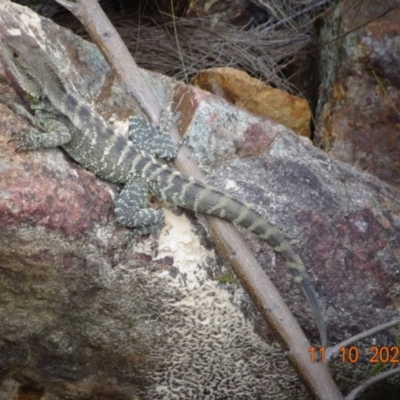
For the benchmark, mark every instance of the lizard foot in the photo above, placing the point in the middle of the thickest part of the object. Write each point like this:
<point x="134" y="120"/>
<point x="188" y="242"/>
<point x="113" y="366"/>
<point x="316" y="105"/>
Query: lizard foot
<point x="26" y="139"/>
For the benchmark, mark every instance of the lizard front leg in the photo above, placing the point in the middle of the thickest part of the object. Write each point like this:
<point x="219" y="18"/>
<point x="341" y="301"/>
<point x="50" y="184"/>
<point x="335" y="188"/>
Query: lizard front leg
<point x="131" y="210"/>
<point x="55" y="133"/>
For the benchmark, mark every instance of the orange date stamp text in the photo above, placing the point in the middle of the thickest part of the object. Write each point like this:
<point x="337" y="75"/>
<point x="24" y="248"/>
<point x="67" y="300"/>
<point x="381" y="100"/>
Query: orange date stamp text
<point x="377" y="354"/>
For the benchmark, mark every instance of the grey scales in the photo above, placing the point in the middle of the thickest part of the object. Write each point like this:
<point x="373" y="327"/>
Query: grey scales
<point x="66" y="120"/>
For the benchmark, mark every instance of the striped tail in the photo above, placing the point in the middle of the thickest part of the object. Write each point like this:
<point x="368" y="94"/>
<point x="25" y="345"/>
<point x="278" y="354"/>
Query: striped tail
<point x="228" y="208"/>
<point x="192" y="194"/>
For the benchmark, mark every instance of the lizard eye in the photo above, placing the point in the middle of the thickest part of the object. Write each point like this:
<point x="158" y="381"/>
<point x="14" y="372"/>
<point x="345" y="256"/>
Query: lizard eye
<point x="15" y="55"/>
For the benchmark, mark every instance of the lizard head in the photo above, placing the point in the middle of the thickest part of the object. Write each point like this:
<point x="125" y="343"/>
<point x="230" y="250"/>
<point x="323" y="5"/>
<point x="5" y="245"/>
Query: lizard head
<point x="19" y="53"/>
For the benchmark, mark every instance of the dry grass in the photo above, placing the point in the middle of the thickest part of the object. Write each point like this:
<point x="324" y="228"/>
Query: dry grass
<point x="184" y="46"/>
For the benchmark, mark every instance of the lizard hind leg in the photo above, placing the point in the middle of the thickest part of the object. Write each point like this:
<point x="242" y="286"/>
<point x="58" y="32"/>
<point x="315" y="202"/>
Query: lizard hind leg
<point x="131" y="210"/>
<point x="154" y="141"/>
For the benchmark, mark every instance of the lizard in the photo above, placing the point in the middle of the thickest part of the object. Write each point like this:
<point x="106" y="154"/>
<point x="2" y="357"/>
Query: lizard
<point x="66" y="120"/>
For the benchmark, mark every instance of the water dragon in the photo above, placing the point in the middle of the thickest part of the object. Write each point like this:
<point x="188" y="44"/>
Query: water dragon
<point x="65" y="120"/>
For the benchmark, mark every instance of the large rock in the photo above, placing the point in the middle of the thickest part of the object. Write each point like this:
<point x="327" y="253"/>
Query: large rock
<point x="78" y="320"/>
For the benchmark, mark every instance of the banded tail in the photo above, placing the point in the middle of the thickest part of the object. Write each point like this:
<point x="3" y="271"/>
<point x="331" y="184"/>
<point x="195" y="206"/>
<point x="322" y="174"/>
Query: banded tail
<point x="189" y="193"/>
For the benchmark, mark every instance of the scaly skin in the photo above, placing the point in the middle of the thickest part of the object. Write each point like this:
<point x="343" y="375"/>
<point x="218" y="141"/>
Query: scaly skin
<point x="68" y="122"/>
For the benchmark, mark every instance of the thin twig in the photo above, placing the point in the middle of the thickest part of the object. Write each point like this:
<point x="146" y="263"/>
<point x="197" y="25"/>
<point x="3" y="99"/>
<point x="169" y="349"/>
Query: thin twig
<point x="376" y="378"/>
<point x="332" y="351"/>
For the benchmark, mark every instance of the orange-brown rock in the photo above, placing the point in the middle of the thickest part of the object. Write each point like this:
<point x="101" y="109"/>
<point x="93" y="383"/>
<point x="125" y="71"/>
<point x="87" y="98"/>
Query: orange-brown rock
<point x="255" y="96"/>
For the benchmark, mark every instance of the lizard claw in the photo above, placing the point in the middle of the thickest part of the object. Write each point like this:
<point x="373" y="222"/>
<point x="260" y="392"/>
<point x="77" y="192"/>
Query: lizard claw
<point x="15" y="138"/>
<point x="19" y="147"/>
<point x="25" y="140"/>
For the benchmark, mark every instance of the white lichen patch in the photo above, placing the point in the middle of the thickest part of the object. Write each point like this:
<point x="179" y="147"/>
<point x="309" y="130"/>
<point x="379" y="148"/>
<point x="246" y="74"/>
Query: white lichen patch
<point x="209" y="350"/>
<point x="26" y="21"/>
<point x="230" y="185"/>
<point x="178" y="240"/>
<point x="362" y="226"/>
<point x="118" y="125"/>
<point x="205" y="347"/>
<point x="14" y="32"/>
